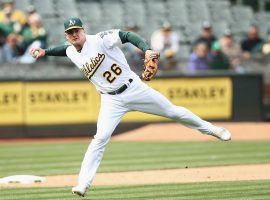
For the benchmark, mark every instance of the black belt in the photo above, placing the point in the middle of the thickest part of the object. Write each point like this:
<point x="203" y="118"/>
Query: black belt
<point x="119" y="90"/>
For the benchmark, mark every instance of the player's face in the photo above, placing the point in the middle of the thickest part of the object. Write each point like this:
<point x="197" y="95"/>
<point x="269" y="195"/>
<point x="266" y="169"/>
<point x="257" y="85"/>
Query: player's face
<point x="76" y="36"/>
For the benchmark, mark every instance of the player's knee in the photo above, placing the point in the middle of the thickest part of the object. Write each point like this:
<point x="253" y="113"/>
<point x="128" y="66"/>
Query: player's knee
<point x="176" y="112"/>
<point x="101" y="140"/>
<point x="171" y="112"/>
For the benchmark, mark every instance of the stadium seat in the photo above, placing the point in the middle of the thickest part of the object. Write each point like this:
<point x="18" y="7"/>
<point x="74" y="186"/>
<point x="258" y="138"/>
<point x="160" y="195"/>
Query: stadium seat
<point x="113" y="12"/>
<point x="262" y="20"/>
<point x="262" y="16"/>
<point x="135" y="13"/>
<point x="92" y="20"/>
<point x="177" y="15"/>
<point x="219" y="27"/>
<point x="198" y="10"/>
<point x="219" y="3"/>
<point x="45" y="8"/>
<point x="240" y="28"/>
<point x="155" y="9"/>
<point x="242" y="12"/>
<point x="55" y="35"/>
<point x="148" y="30"/>
<point x="22" y="4"/>
<point x="193" y="31"/>
<point x="96" y="12"/>
<point x="66" y="8"/>
<point x="176" y="3"/>
<point x="183" y="39"/>
<point x="184" y="52"/>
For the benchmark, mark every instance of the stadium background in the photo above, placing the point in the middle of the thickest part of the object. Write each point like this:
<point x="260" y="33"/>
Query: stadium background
<point x="23" y="82"/>
<point x="50" y="98"/>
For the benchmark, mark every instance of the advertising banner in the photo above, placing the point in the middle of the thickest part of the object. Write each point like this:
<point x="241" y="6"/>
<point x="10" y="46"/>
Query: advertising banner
<point x="11" y="103"/>
<point x="78" y="102"/>
<point x="209" y="98"/>
<point x="61" y="102"/>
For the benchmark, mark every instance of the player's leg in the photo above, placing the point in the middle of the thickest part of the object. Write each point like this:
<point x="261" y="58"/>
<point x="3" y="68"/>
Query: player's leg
<point x="150" y="101"/>
<point x="110" y="115"/>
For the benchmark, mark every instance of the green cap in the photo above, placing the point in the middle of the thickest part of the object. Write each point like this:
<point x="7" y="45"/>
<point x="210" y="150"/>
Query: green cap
<point x="72" y="23"/>
<point x="216" y="46"/>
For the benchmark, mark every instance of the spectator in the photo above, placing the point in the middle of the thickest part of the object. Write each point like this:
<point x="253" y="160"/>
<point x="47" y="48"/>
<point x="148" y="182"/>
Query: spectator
<point x="10" y="14"/>
<point x="250" y="44"/>
<point x="31" y="10"/>
<point x="166" y="42"/>
<point x="5" y="30"/>
<point x="35" y="31"/>
<point x="11" y="48"/>
<point x="133" y="54"/>
<point x="266" y="49"/>
<point x="218" y="60"/>
<point x="12" y="22"/>
<point x="231" y="49"/>
<point x="34" y="35"/>
<point x="199" y="59"/>
<point x="206" y="36"/>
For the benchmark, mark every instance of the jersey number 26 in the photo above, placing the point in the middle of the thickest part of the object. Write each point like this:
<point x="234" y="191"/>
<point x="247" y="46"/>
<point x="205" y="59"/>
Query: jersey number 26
<point x="111" y="75"/>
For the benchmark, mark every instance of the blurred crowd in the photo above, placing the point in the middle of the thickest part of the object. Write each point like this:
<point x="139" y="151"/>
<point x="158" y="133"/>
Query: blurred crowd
<point x="20" y="30"/>
<point x="207" y="51"/>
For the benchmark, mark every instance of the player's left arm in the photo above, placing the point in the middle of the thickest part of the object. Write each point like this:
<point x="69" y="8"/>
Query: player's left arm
<point x="134" y="39"/>
<point x="151" y="57"/>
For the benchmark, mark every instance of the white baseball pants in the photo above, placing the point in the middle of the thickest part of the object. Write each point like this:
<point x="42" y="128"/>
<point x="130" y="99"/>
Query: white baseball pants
<point x="137" y="97"/>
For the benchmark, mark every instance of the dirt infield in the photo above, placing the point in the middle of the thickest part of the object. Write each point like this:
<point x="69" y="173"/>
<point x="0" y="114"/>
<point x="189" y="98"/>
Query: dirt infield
<point x="206" y="174"/>
<point x="174" y="132"/>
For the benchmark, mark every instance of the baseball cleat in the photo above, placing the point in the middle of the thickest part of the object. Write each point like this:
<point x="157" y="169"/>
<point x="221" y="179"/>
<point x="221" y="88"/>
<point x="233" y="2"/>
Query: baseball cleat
<point x="222" y="134"/>
<point x="79" y="190"/>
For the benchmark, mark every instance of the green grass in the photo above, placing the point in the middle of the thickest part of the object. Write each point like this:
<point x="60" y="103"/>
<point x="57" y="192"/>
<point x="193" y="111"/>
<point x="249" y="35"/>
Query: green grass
<point x="65" y="158"/>
<point x="242" y="190"/>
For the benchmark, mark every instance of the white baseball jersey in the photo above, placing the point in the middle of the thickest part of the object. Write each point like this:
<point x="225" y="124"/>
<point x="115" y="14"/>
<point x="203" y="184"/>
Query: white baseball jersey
<point x="102" y="61"/>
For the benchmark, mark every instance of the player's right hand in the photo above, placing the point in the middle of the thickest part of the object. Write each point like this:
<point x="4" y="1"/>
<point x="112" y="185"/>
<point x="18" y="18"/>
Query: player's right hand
<point x="37" y="52"/>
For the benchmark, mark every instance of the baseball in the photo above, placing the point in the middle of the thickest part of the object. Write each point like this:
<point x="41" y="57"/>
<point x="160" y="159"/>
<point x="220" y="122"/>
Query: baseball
<point x="36" y="54"/>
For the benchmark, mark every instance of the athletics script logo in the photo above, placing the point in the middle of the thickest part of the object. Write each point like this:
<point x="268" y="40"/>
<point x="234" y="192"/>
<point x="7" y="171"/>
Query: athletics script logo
<point x="90" y="67"/>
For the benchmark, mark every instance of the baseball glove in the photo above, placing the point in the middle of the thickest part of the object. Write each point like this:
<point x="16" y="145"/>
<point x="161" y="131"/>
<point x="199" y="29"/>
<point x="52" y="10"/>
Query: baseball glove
<point x="150" y="64"/>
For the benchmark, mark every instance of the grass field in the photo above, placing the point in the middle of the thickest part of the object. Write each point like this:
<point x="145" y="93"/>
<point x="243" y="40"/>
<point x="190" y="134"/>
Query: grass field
<point x="65" y="158"/>
<point x="248" y="190"/>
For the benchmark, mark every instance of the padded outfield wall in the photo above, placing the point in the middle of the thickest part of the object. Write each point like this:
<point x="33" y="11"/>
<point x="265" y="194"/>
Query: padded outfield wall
<point x="33" y="108"/>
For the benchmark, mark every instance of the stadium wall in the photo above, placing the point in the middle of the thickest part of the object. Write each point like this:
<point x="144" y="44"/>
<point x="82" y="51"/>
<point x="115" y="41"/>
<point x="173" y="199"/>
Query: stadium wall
<point x="32" y="108"/>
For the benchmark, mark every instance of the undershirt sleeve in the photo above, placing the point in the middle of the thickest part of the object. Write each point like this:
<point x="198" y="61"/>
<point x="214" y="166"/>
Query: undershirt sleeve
<point x="57" y="51"/>
<point x="134" y="39"/>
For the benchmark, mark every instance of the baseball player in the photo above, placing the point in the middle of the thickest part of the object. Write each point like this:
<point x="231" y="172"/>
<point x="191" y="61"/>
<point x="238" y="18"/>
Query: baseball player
<point x="103" y="63"/>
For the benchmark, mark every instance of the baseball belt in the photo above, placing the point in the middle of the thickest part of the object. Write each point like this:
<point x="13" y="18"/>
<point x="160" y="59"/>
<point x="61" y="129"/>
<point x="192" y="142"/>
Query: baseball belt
<point x="119" y="90"/>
